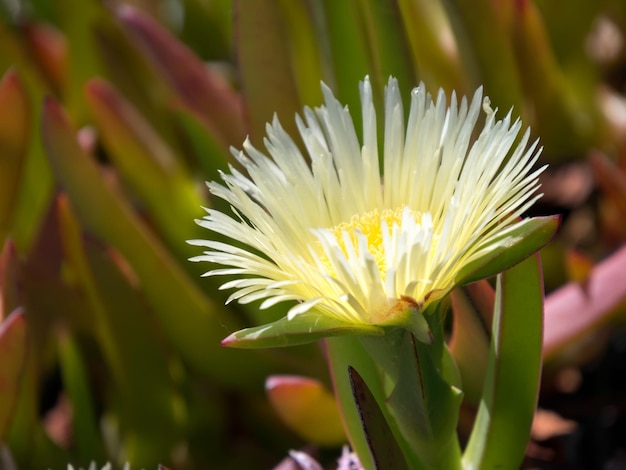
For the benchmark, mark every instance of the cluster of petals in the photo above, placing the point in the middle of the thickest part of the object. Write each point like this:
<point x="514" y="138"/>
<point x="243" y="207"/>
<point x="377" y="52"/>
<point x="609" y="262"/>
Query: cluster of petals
<point x="354" y="227"/>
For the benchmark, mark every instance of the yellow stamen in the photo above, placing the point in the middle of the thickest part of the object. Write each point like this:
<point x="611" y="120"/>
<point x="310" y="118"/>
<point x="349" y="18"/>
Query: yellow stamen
<point x="370" y="225"/>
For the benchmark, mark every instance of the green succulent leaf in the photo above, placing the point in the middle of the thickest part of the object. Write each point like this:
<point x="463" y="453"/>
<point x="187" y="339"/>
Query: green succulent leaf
<point x="349" y="53"/>
<point x="487" y="53"/>
<point x="88" y="443"/>
<point x="426" y="407"/>
<point x="128" y="67"/>
<point x="28" y="441"/>
<point x="300" y="20"/>
<point x="263" y="48"/>
<point x="130" y="346"/>
<point x="81" y="44"/>
<point x="25" y="179"/>
<point x="303" y="328"/>
<point x="350" y="351"/>
<point x="197" y="87"/>
<point x="211" y="158"/>
<point x="567" y="122"/>
<point x="512" y="247"/>
<point x="384" y="450"/>
<point x="386" y="43"/>
<point x="426" y="25"/>
<point x="509" y="398"/>
<point x="168" y="289"/>
<point x="148" y="165"/>
<point x="410" y="382"/>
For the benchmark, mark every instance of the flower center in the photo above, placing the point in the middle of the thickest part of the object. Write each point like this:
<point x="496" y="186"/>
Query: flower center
<point x="370" y="224"/>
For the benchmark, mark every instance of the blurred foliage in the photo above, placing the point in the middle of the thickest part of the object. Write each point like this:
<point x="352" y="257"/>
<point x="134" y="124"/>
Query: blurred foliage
<point x="112" y="114"/>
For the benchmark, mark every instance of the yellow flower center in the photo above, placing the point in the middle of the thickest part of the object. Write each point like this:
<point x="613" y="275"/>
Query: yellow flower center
<point x="370" y="225"/>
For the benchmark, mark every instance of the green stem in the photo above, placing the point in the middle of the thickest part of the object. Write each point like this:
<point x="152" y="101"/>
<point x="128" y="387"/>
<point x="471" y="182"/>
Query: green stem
<point x="345" y="351"/>
<point x="407" y="380"/>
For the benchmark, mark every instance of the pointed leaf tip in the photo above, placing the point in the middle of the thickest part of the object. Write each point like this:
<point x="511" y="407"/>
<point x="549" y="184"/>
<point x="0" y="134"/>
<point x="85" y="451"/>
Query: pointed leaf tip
<point x="52" y="113"/>
<point x="14" y="320"/>
<point x="98" y="87"/>
<point x="127" y="13"/>
<point x="11" y="78"/>
<point x="307" y="407"/>
<point x="229" y="340"/>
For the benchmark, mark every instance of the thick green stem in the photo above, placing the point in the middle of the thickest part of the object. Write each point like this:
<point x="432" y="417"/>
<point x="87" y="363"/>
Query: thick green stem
<point x="406" y="378"/>
<point x="345" y="351"/>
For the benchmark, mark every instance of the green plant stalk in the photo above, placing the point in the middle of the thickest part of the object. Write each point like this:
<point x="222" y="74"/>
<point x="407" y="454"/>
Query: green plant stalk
<point x="407" y="380"/>
<point x="425" y="398"/>
<point x="342" y="352"/>
<point x="502" y="427"/>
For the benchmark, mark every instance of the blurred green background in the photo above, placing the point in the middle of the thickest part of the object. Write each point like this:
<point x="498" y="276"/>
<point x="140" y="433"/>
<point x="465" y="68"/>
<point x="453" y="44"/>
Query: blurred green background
<point x="114" y="113"/>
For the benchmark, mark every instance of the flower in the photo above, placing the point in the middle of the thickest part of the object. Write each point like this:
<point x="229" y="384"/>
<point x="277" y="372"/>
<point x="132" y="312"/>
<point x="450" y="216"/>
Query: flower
<point x="332" y="234"/>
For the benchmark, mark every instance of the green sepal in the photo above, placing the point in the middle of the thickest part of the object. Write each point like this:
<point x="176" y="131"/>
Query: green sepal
<point x="303" y="328"/>
<point x="513" y="247"/>
<point x="418" y="325"/>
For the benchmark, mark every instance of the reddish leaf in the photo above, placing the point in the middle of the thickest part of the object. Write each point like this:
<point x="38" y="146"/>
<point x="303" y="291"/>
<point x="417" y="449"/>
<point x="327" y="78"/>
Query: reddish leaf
<point x="197" y="87"/>
<point x="307" y="407"/>
<point x="572" y="311"/>
<point x="9" y="287"/>
<point x="12" y="355"/>
<point x="14" y="134"/>
<point x="49" y="47"/>
<point x="578" y="266"/>
<point x="167" y="287"/>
